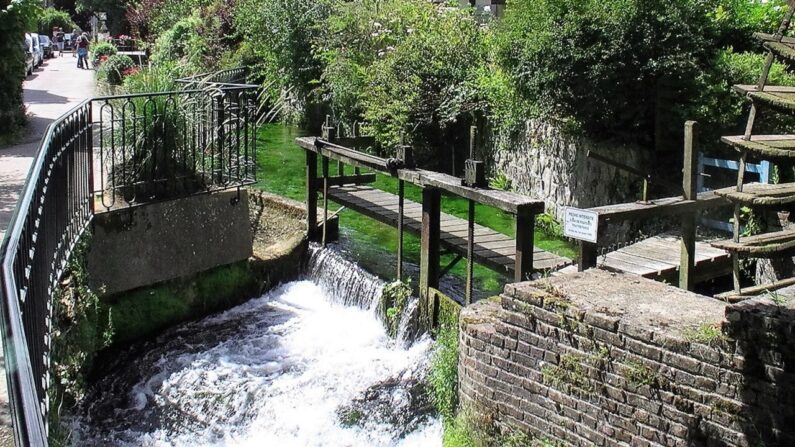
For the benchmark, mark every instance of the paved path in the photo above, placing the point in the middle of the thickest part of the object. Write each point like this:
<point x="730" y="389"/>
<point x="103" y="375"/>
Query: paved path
<point x="51" y="91"/>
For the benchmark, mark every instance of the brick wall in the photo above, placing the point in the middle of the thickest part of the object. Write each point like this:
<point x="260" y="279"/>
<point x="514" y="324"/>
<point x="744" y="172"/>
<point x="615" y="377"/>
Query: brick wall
<point x="608" y="359"/>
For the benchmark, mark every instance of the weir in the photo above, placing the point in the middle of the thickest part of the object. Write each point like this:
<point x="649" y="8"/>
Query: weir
<point x="283" y="369"/>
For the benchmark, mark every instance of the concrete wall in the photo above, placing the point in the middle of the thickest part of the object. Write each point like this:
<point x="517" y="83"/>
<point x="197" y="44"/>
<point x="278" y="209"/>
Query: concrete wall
<point x="613" y="360"/>
<point x="166" y="240"/>
<point x="545" y="162"/>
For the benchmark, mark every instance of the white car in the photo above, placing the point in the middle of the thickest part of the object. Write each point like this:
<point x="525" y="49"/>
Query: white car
<point x="38" y="54"/>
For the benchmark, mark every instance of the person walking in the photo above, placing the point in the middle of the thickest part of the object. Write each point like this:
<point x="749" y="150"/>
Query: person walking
<point x="75" y="36"/>
<point x="82" y="51"/>
<point x="59" y="40"/>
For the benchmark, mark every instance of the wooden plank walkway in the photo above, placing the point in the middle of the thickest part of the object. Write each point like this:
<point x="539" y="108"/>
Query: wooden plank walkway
<point x="658" y="258"/>
<point x="492" y="249"/>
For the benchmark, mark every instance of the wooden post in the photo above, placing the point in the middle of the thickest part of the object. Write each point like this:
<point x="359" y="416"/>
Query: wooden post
<point x="429" y="249"/>
<point x="470" y="285"/>
<point x="401" y="193"/>
<point x="311" y="195"/>
<point x="525" y="232"/>
<point x="689" y="181"/>
<point x="325" y="163"/>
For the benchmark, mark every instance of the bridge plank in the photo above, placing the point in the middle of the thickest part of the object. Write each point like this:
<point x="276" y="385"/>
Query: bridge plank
<point x="492" y="249"/>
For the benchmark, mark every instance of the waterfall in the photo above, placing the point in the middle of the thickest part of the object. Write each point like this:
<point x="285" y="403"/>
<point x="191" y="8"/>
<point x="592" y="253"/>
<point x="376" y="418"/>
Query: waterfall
<point x="307" y="364"/>
<point x="344" y="281"/>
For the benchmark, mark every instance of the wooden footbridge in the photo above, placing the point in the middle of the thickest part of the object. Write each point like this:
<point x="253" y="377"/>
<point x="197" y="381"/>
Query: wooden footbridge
<point x="661" y="258"/>
<point x="437" y="230"/>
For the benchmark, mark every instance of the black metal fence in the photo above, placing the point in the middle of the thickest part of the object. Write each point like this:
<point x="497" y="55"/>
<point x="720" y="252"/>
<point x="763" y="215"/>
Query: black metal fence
<point x="106" y="152"/>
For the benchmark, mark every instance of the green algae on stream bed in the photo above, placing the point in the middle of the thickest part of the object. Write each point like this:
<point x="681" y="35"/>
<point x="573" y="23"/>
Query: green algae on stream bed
<point x="281" y="170"/>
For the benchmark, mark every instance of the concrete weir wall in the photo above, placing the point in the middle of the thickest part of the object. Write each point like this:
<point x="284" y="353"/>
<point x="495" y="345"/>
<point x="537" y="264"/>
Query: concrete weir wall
<point x="140" y="246"/>
<point x="606" y="359"/>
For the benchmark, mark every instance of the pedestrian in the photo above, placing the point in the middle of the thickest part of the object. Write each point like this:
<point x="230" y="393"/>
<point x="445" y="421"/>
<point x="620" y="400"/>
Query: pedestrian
<point x="75" y="36"/>
<point x="82" y="51"/>
<point x="59" y="40"/>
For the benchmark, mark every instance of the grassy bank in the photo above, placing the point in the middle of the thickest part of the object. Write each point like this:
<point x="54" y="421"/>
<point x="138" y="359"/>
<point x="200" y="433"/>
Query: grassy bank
<point x="281" y="171"/>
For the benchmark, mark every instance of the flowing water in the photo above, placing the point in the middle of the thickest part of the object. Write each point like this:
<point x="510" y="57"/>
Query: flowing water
<point x="307" y="364"/>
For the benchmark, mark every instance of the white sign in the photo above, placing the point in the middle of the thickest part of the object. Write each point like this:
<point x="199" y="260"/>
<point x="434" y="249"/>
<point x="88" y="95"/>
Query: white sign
<point x="581" y="224"/>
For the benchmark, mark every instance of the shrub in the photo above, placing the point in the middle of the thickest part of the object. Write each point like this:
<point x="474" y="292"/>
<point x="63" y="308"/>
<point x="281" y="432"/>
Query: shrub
<point x="180" y="43"/>
<point x="16" y="17"/>
<point x="51" y="18"/>
<point x="115" y="68"/>
<point x="608" y="63"/>
<point x="102" y="51"/>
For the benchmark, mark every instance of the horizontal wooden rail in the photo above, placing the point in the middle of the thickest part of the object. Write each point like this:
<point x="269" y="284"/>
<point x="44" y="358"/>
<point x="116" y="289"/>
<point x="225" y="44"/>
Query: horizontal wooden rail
<point x="506" y="201"/>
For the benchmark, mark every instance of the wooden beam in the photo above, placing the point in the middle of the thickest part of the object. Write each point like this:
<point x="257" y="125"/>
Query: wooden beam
<point x="689" y="177"/>
<point x="311" y="195"/>
<point x="429" y="248"/>
<point x="669" y="206"/>
<point x="349" y="180"/>
<point x="525" y="229"/>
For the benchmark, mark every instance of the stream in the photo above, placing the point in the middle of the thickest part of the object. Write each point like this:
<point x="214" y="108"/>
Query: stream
<point x="307" y="364"/>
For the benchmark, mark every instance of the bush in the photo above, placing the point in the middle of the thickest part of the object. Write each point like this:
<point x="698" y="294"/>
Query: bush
<point x="51" y="18"/>
<point x="280" y="37"/>
<point x="116" y="68"/>
<point x="610" y="64"/>
<point x="180" y="43"/>
<point x="16" y="17"/>
<point x="102" y="50"/>
<point x="408" y="67"/>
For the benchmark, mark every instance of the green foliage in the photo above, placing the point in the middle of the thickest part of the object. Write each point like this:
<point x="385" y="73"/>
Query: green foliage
<point x="394" y="297"/>
<point x="181" y="43"/>
<point x="115" y="68"/>
<point x="637" y="374"/>
<point x="16" y="17"/>
<point x="422" y="88"/>
<point x="443" y="376"/>
<point x="708" y="334"/>
<point x="501" y="182"/>
<point x="101" y="49"/>
<point x="549" y="225"/>
<point x="81" y="328"/>
<point x="607" y="63"/>
<point x="279" y="39"/>
<point x="51" y="18"/>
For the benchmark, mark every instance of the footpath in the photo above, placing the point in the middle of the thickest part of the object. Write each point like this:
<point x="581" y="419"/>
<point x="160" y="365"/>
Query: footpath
<point x="51" y="91"/>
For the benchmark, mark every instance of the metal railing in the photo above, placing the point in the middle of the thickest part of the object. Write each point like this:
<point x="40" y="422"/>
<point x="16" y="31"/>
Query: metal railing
<point x="104" y="153"/>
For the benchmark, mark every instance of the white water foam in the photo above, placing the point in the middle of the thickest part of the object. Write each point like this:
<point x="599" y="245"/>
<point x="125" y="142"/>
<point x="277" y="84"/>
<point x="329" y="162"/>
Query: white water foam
<point x="275" y="374"/>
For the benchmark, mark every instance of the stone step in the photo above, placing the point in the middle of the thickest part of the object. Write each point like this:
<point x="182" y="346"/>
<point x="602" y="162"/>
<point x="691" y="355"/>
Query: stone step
<point x="767" y="245"/>
<point x="760" y="194"/>
<point x="781" y="98"/>
<point x="765" y="146"/>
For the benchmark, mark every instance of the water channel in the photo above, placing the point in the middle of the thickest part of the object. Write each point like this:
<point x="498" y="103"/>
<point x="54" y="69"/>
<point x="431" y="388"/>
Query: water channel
<point x="307" y="364"/>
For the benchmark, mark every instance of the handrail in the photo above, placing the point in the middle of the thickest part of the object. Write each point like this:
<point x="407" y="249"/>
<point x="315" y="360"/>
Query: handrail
<point x="57" y="203"/>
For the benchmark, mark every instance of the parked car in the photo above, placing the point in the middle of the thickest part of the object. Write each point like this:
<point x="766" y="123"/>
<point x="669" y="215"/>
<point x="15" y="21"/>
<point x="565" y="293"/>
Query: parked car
<point x="26" y="48"/>
<point x="38" y="54"/>
<point x="46" y="46"/>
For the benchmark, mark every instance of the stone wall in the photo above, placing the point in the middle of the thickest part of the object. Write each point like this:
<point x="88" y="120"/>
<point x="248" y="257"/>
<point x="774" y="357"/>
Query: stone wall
<point x="613" y="360"/>
<point x="544" y="162"/>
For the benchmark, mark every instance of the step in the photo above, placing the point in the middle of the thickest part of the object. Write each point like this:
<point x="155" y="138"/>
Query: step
<point x="778" y="97"/>
<point x="750" y="292"/>
<point x="766" y="146"/>
<point x="767" y="245"/>
<point x="760" y="194"/>
<point x="784" y="48"/>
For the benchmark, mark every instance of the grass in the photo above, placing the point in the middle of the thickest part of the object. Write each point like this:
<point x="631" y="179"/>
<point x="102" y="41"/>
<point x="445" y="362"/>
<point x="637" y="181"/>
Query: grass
<point x="281" y="168"/>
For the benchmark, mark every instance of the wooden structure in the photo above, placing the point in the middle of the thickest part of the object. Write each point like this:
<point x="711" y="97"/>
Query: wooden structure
<point x="492" y="249"/>
<point x="779" y="148"/>
<point x="660" y="257"/>
<point x="651" y="258"/>
<point x="437" y="230"/>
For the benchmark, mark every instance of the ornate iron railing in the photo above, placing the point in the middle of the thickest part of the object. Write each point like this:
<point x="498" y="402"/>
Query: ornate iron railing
<point x="105" y="153"/>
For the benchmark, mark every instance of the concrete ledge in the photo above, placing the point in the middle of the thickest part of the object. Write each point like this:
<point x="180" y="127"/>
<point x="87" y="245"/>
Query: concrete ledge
<point x="166" y="240"/>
